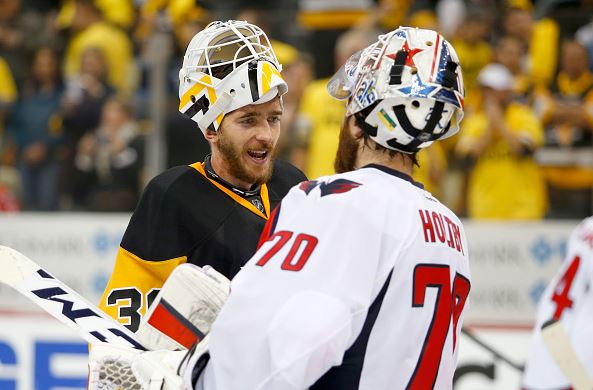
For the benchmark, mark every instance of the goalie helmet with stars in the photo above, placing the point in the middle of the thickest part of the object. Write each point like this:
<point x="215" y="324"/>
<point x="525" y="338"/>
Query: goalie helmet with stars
<point x="226" y="66"/>
<point x="405" y="90"/>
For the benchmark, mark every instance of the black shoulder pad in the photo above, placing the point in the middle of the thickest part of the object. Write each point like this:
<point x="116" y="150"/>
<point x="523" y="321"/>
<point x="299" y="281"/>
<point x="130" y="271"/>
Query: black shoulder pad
<point x="284" y="177"/>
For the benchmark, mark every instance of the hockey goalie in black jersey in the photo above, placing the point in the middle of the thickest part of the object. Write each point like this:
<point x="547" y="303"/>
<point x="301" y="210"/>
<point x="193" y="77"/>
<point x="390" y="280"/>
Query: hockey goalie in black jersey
<point x="211" y="212"/>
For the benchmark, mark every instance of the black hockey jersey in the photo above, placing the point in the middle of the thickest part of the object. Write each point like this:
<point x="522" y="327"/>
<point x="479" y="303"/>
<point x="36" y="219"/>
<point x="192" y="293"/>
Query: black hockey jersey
<point x="184" y="216"/>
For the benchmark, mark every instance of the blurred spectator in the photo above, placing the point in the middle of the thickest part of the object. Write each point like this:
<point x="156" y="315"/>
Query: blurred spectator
<point x="22" y="31"/>
<point x="511" y="52"/>
<point x="37" y="132"/>
<point x="499" y="140"/>
<point x="541" y="37"/>
<point x="292" y="145"/>
<point x="322" y="114"/>
<point x="83" y="101"/>
<point x="89" y="29"/>
<point x="109" y="161"/>
<point x="567" y="112"/>
<point x="474" y="51"/>
<point x="9" y="178"/>
<point x="584" y="36"/>
<point x="85" y="94"/>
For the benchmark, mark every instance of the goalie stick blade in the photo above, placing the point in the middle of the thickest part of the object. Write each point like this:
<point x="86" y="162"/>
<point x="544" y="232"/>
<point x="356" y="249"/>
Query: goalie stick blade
<point x="558" y="343"/>
<point x="59" y="300"/>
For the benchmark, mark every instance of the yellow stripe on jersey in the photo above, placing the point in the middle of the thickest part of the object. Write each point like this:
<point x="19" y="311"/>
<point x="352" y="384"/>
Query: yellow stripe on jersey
<point x="134" y="277"/>
<point x="242" y="201"/>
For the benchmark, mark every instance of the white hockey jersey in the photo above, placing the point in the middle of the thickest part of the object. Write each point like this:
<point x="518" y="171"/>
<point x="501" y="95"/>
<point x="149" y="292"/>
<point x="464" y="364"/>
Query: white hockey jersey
<point x="361" y="283"/>
<point x="568" y="297"/>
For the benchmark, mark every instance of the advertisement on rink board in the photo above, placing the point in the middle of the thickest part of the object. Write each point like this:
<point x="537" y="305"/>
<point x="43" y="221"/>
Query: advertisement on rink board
<point x="511" y="265"/>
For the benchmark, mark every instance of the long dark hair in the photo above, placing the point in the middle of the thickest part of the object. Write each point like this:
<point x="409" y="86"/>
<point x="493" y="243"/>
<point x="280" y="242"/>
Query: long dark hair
<point x="32" y="84"/>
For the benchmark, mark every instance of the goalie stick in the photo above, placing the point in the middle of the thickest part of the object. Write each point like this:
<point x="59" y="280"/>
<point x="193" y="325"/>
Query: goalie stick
<point x="59" y="300"/>
<point x="559" y="345"/>
<point x="494" y="352"/>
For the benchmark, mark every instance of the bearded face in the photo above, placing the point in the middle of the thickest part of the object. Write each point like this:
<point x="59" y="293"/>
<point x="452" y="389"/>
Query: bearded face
<point x="245" y="144"/>
<point x="249" y="163"/>
<point x="347" y="149"/>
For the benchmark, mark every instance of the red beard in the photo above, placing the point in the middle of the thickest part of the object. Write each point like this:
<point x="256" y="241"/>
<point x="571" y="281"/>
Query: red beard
<point x="232" y="155"/>
<point x="347" y="150"/>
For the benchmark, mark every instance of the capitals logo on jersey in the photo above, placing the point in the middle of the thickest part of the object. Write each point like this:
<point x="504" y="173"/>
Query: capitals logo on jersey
<point x="338" y="186"/>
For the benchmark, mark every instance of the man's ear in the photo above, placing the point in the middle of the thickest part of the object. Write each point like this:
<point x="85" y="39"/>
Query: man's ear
<point x="211" y="136"/>
<point x="353" y="127"/>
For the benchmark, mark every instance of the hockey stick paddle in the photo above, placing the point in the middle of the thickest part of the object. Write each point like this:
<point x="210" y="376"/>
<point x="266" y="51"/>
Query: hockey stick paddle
<point x="59" y="300"/>
<point x="558" y="343"/>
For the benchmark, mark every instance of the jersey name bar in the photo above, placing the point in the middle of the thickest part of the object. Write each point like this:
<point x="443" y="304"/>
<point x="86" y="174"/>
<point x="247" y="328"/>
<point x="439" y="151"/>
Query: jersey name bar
<point x="440" y="227"/>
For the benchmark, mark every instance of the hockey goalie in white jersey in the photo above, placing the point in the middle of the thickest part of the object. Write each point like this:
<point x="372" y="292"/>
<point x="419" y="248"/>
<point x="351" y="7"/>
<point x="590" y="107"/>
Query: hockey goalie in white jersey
<point x="569" y="299"/>
<point x="361" y="279"/>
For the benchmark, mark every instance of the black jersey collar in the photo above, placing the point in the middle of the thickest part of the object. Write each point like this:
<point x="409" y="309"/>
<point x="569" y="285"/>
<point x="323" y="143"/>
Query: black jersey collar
<point x="395" y="173"/>
<point x="212" y="175"/>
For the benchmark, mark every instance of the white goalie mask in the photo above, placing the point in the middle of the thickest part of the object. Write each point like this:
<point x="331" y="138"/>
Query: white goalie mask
<point x="251" y="72"/>
<point x="411" y="82"/>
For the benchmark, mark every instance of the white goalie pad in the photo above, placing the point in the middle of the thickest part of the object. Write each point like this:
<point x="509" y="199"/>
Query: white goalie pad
<point x="184" y="309"/>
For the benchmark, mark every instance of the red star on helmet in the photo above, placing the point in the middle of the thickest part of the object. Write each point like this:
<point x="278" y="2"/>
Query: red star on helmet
<point x="411" y="54"/>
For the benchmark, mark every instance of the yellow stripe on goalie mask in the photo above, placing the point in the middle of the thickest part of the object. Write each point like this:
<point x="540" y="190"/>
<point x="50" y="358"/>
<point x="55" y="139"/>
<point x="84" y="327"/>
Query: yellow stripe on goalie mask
<point x="197" y="91"/>
<point x="267" y="72"/>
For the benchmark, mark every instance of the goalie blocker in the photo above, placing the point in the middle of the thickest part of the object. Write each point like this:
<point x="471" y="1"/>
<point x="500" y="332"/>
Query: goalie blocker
<point x="182" y="312"/>
<point x="179" y="319"/>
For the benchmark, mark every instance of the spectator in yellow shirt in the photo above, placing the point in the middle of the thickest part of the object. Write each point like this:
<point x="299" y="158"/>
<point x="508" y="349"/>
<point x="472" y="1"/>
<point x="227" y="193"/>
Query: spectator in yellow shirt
<point x="89" y="29"/>
<point x="541" y="38"/>
<point x="474" y="51"/>
<point x="566" y="110"/>
<point x="500" y="138"/>
<point x="511" y="52"/>
<point x="322" y="114"/>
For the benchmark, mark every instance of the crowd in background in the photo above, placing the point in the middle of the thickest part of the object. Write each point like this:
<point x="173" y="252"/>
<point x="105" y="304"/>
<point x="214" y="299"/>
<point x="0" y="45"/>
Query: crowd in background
<point x="74" y="92"/>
